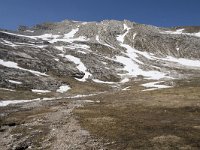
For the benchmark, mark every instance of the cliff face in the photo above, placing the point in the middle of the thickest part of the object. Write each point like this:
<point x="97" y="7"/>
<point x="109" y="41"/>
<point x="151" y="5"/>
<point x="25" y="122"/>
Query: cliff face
<point x="107" y="51"/>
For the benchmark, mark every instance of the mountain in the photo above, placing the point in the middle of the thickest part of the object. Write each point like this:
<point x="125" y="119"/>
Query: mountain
<point x="99" y="85"/>
<point x="107" y="51"/>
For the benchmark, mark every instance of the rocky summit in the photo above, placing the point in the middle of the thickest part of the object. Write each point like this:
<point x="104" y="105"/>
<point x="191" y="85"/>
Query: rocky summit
<point x="71" y="63"/>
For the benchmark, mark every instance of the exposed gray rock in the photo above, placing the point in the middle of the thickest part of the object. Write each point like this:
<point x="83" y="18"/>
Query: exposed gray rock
<point x="43" y="48"/>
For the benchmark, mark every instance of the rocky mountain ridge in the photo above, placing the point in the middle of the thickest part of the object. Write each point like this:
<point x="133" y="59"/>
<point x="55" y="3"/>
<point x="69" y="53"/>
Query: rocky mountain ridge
<point x="107" y="52"/>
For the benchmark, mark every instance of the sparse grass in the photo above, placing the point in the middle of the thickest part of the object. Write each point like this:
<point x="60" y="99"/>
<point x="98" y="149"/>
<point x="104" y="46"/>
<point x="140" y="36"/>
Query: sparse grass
<point x="161" y="119"/>
<point x="28" y="125"/>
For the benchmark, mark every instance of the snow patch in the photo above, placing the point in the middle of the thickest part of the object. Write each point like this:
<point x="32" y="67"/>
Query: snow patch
<point x="155" y="86"/>
<point x="71" y="33"/>
<point x="103" y="82"/>
<point x="183" y="61"/>
<point x="8" y="43"/>
<point x="180" y="31"/>
<point x="124" y="80"/>
<point x="120" y="38"/>
<point x="103" y="43"/>
<point x="134" y="35"/>
<point x="63" y="89"/>
<point x="9" y="102"/>
<point x="126" y="88"/>
<point x="56" y="59"/>
<point x="40" y="91"/>
<point x="80" y="66"/>
<point x="131" y="62"/>
<point x="14" y="65"/>
<point x="7" y="89"/>
<point x="30" y="31"/>
<point x="14" y="82"/>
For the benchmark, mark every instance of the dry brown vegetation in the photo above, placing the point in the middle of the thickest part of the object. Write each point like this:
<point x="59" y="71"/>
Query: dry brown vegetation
<point x="161" y="119"/>
<point x="132" y="119"/>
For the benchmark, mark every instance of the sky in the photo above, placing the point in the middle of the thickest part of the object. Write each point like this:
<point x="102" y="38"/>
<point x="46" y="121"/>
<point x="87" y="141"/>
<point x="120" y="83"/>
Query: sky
<point x="164" y="13"/>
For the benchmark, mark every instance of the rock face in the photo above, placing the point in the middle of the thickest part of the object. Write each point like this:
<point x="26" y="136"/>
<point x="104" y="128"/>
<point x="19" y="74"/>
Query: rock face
<point x="108" y="51"/>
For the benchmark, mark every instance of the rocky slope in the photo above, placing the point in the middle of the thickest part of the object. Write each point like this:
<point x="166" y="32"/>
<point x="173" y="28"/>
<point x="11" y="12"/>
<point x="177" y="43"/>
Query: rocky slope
<point x="102" y="52"/>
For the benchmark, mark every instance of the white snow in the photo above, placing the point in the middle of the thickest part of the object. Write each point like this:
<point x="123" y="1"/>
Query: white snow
<point x="81" y="96"/>
<point x="120" y="38"/>
<point x="17" y="44"/>
<point x="20" y="35"/>
<point x="133" y="68"/>
<point x="14" y="82"/>
<point x="83" y="52"/>
<point x="78" y="46"/>
<point x="106" y="82"/>
<point x="131" y="61"/>
<point x="103" y="42"/>
<point x="56" y="59"/>
<point x="126" y="88"/>
<point x="40" y="91"/>
<point x="29" y="31"/>
<point x="183" y="61"/>
<point x="84" y="23"/>
<point x="154" y="86"/>
<point x="134" y="35"/>
<point x="8" y="43"/>
<point x="14" y="65"/>
<point x="86" y="101"/>
<point x="71" y="33"/>
<point x="30" y="45"/>
<point x="124" y="80"/>
<point x="7" y="89"/>
<point x="69" y="37"/>
<point x="60" y="48"/>
<point x="63" y="89"/>
<point x="97" y="38"/>
<point x="180" y="31"/>
<point x="51" y="38"/>
<point x="8" y="102"/>
<point x="80" y="66"/>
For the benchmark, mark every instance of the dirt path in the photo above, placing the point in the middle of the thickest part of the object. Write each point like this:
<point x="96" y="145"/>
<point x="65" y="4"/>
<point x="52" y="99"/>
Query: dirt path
<point x="45" y="125"/>
<point x="67" y="131"/>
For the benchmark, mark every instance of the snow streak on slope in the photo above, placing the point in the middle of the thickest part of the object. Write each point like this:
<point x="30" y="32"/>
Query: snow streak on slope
<point x="131" y="61"/>
<point x="8" y="43"/>
<point x="183" y="61"/>
<point x="14" y="65"/>
<point x="14" y="82"/>
<point x="80" y="66"/>
<point x="154" y="86"/>
<point x="51" y="38"/>
<point x="180" y="31"/>
<point x="71" y="33"/>
<point x="103" y="43"/>
<point x="5" y="89"/>
<point x="6" y="103"/>
<point x="120" y="38"/>
<point x="40" y="91"/>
